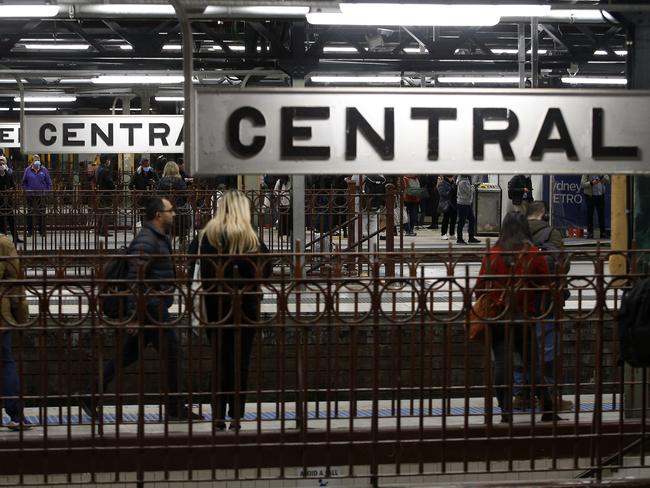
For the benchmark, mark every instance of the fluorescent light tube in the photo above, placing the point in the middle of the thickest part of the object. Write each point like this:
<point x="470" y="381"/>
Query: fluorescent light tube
<point x="426" y="17"/>
<point x="272" y="11"/>
<point x="132" y="109"/>
<point x="515" y="51"/>
<point x="172" y="47"/>
<point x="340" y="49"/>
<point x="46" y="98"/>
<point x="621" y="53"/>
<point x="75" y="80"/>
<point x="4" y="109"/>
<point x="137" y="79"/>
<point x="356" y="79"/>
<point x="479" y="79"/>
<point x="414" y="50"/>
<point x="56" y="46"/>
<point x="584" y="80"/>
<point x="130" y="9"/>
<point x="169" y="99"/>
<point x="24" y="11"/>
<point x="126" y="47"/>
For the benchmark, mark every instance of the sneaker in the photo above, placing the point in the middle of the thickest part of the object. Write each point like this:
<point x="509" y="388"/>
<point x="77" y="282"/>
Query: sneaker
<point x="87" y="405"/>
<point x="471" y="240"/>
<point x="521" y="402"/>
<point x="411" y="234"/>
<point x="235" y="425"/>
<point x="17" y="426"/>
<point x="564" y="405"/>
<point x="460" y="241"/>
<point x="184" y="414"/>
<point x="444" y="237"/>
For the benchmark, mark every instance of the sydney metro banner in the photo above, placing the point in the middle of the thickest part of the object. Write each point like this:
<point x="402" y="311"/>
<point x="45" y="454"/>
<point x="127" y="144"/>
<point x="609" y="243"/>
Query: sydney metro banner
<point x="402" y="131"/>
<point x="9" y="135"/>
<point x="109" y="134"/>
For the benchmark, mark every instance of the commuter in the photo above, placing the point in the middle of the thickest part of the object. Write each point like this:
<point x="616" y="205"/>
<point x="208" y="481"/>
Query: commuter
<point x="282" y="193"/>
<point x="230" y="232"/>
<point x="430" y="204"/>
<point x="173" y="187"/>
<point x="144" y="178"/>
<point x="13" y="311"/>
<point x="412" y="192"/>
<point x="151" y="249"/>
<point x="105" y="186"/>
<point x="594" y="188"/>
<point x="465" y="199"/>
<point x="508" y="267"/>
<point x="37" y="185"/>
<point x="159" y="165"/>
<point x="447" y="206"/>
<point x="520" y="191"/>
<point x="548" y="239"/>
<point x="7" y="191"/>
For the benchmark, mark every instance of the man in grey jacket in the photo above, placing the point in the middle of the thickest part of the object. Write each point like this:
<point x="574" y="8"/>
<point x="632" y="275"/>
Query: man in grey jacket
<point x="465" y="199"/>
<point x="594" y="187"/>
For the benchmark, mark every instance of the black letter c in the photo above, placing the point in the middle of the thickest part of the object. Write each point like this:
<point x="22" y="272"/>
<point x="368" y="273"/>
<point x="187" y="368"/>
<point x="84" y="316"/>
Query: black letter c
<point x="234" y="142"/>
<point x="41" y="134"/>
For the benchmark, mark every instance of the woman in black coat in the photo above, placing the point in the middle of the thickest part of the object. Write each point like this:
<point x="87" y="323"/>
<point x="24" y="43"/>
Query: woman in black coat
<point x="232" y="266"/>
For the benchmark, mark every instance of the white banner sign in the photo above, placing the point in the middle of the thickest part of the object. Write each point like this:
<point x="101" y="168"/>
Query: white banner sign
<point x="99" y="134"/>
<point x="410" y="131"/>
<point x="9" y="135"/>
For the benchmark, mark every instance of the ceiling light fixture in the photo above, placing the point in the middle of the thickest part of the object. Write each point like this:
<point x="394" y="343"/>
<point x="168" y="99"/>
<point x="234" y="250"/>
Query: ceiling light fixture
<point x="356" y="79"/>
<point x="340" y="49"/>
<point x="137" y="79"/>
<point x="129" y="9"/>
<point x="172" y="47"/>
<point x="515" y="51"/>
<point x="47" y="98"/>
<point x="24" y="11"/>
<point x="126" y="47"/>
<point x="496" y="80"/>
<point x="37" y="109"/>
<point x="75" y="80"/>
<point x="414" y="50"/>
<point x="169" y="99"/>
<point x="262" y="11"/>
<point x="57" y="47"/>
<point x="584" y="80"/>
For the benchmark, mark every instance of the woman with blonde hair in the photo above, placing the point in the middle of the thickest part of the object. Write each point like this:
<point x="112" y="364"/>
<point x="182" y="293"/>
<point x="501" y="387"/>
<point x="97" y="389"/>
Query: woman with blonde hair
<point x="231" y="265"/>
<point x="173" y="187"/>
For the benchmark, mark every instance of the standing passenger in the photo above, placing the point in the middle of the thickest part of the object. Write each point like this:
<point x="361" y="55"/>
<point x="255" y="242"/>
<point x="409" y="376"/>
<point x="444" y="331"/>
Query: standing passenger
<point x="447" y="205"/>
<point x="594" y="187"/>
<point x="7" y="191"/>
<point x="225" y="278"/>
<point x="465" y="199"/>
<point x="36" y="184"/>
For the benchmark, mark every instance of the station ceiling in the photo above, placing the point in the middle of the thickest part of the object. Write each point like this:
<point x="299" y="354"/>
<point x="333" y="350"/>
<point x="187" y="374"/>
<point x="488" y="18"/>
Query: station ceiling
<point x="232" y="46"/>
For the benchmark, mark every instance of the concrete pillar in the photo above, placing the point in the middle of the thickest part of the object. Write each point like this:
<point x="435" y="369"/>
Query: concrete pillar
<point x="298" y="195"/>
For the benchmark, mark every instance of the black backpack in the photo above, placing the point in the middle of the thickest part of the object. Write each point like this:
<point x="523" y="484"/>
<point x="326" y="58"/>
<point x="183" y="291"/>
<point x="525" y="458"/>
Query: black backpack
<point x="634" y="325"/>
<point x="543" y="241"/>
<point x="114" y="295"/>
<point x="375" y="187"/>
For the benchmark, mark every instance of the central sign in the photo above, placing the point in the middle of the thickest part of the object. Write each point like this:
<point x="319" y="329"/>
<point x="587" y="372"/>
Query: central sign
<point x="406" y="131"/>
<point x="104" y="134"/>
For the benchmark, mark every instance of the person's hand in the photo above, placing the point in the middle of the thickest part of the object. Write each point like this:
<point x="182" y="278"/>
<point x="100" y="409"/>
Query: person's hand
<point x="526" y="190"/>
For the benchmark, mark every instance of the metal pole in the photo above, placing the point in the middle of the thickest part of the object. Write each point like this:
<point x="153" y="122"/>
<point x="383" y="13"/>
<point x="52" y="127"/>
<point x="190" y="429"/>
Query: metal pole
<point x="298" y="195"/>
<point x="521" y="45"/>
<point x="534" y="54"/>
<point x="188" y="69"/>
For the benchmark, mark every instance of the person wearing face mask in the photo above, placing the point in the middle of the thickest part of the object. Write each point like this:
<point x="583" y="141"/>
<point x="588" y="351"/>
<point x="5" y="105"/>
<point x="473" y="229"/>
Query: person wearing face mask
<point x="36" y="184"/>
<point x="144" y="178"/>
<point x="7" y="190"/>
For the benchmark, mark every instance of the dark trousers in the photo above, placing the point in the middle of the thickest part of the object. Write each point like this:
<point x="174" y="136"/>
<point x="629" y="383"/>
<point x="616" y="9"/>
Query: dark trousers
<point x="36" y="211"/>
<point x="595" y="202"/>
<point x="9" y="377"/>
<point x="7" y="220"/>
<point x="433" y="201"/>
<point x="104" y="214"/>
<point x="519" y="338"/>
<point x="412" y="211"/>
<point x="449" y="222"/>
<point x="465" y="213"/>
<point x="166" y="343"/>
<point x="230" y="368"/>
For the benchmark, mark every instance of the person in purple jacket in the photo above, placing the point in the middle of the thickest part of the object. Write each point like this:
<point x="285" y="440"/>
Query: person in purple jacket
<point x="36" y="185"/>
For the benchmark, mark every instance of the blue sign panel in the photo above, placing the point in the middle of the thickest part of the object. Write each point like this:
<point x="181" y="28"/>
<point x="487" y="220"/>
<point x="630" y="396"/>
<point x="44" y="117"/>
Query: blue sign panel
<point x="570" y="206"/>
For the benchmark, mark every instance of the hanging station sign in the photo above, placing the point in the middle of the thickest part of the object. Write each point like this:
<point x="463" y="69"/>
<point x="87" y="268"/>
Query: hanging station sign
<point x="9" y="135"/>
<point x="110" y="134"/>
<point x="404" y="131"/>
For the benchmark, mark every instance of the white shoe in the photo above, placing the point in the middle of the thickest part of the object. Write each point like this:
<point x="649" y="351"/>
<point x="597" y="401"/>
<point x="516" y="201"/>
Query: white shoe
<point x="444" y="237"/>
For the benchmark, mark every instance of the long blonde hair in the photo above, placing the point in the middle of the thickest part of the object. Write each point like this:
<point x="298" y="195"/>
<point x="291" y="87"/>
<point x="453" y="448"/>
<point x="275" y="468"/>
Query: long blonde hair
<point x="171" y="169"/>
<point x="230" y="229"/>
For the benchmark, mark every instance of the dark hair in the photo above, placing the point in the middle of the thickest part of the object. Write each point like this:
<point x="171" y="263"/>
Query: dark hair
<point x="536" y="208"/>
<point x="153" y="205"/>
<point x="515" y="233"/>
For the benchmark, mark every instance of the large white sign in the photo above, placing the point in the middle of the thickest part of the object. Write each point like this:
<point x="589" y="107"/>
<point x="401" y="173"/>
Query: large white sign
<point x="98" y="134"/>
<point x="404" y="131"/>
<point x="9" y="135"/>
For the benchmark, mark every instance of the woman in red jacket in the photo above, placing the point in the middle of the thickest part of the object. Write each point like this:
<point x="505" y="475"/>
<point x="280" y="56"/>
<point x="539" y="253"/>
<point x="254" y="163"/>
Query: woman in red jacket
<point x="514" y="265"/>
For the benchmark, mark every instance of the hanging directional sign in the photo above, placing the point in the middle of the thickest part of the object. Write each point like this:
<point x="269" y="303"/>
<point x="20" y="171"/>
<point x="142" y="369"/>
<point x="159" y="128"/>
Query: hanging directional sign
<point x="411" y="131"/>
<point x="111" y="133"/>
<point x="9" y="135"/>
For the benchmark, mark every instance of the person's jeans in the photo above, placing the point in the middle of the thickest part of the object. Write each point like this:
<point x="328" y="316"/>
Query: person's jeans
<point x="412" y="211"/>
<point x="10" y="383"/>
<point x="595" y="202"/>
<point x="546" y="335"/>
<point x="465" y="213"/>
<point x="449" y="221"/>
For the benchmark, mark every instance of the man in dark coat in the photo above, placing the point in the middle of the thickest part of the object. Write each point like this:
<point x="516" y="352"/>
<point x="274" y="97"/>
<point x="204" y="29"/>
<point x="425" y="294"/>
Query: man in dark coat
<point x="7" y="190"/>
<point x="151" y="249"/>
<point x="105" y="186"/>
<point x="520" y="191"/>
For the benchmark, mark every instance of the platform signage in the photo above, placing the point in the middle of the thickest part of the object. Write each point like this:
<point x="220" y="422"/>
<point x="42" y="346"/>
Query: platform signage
<point x="111" y="134"/>
<point x="9" y="135"/>
<point x="569" y="205"/>
<point x="346" y="131"/>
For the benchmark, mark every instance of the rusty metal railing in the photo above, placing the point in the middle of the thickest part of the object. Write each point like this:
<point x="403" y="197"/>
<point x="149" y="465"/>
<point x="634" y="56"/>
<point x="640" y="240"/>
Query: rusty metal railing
<point x="368" y="377"/>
